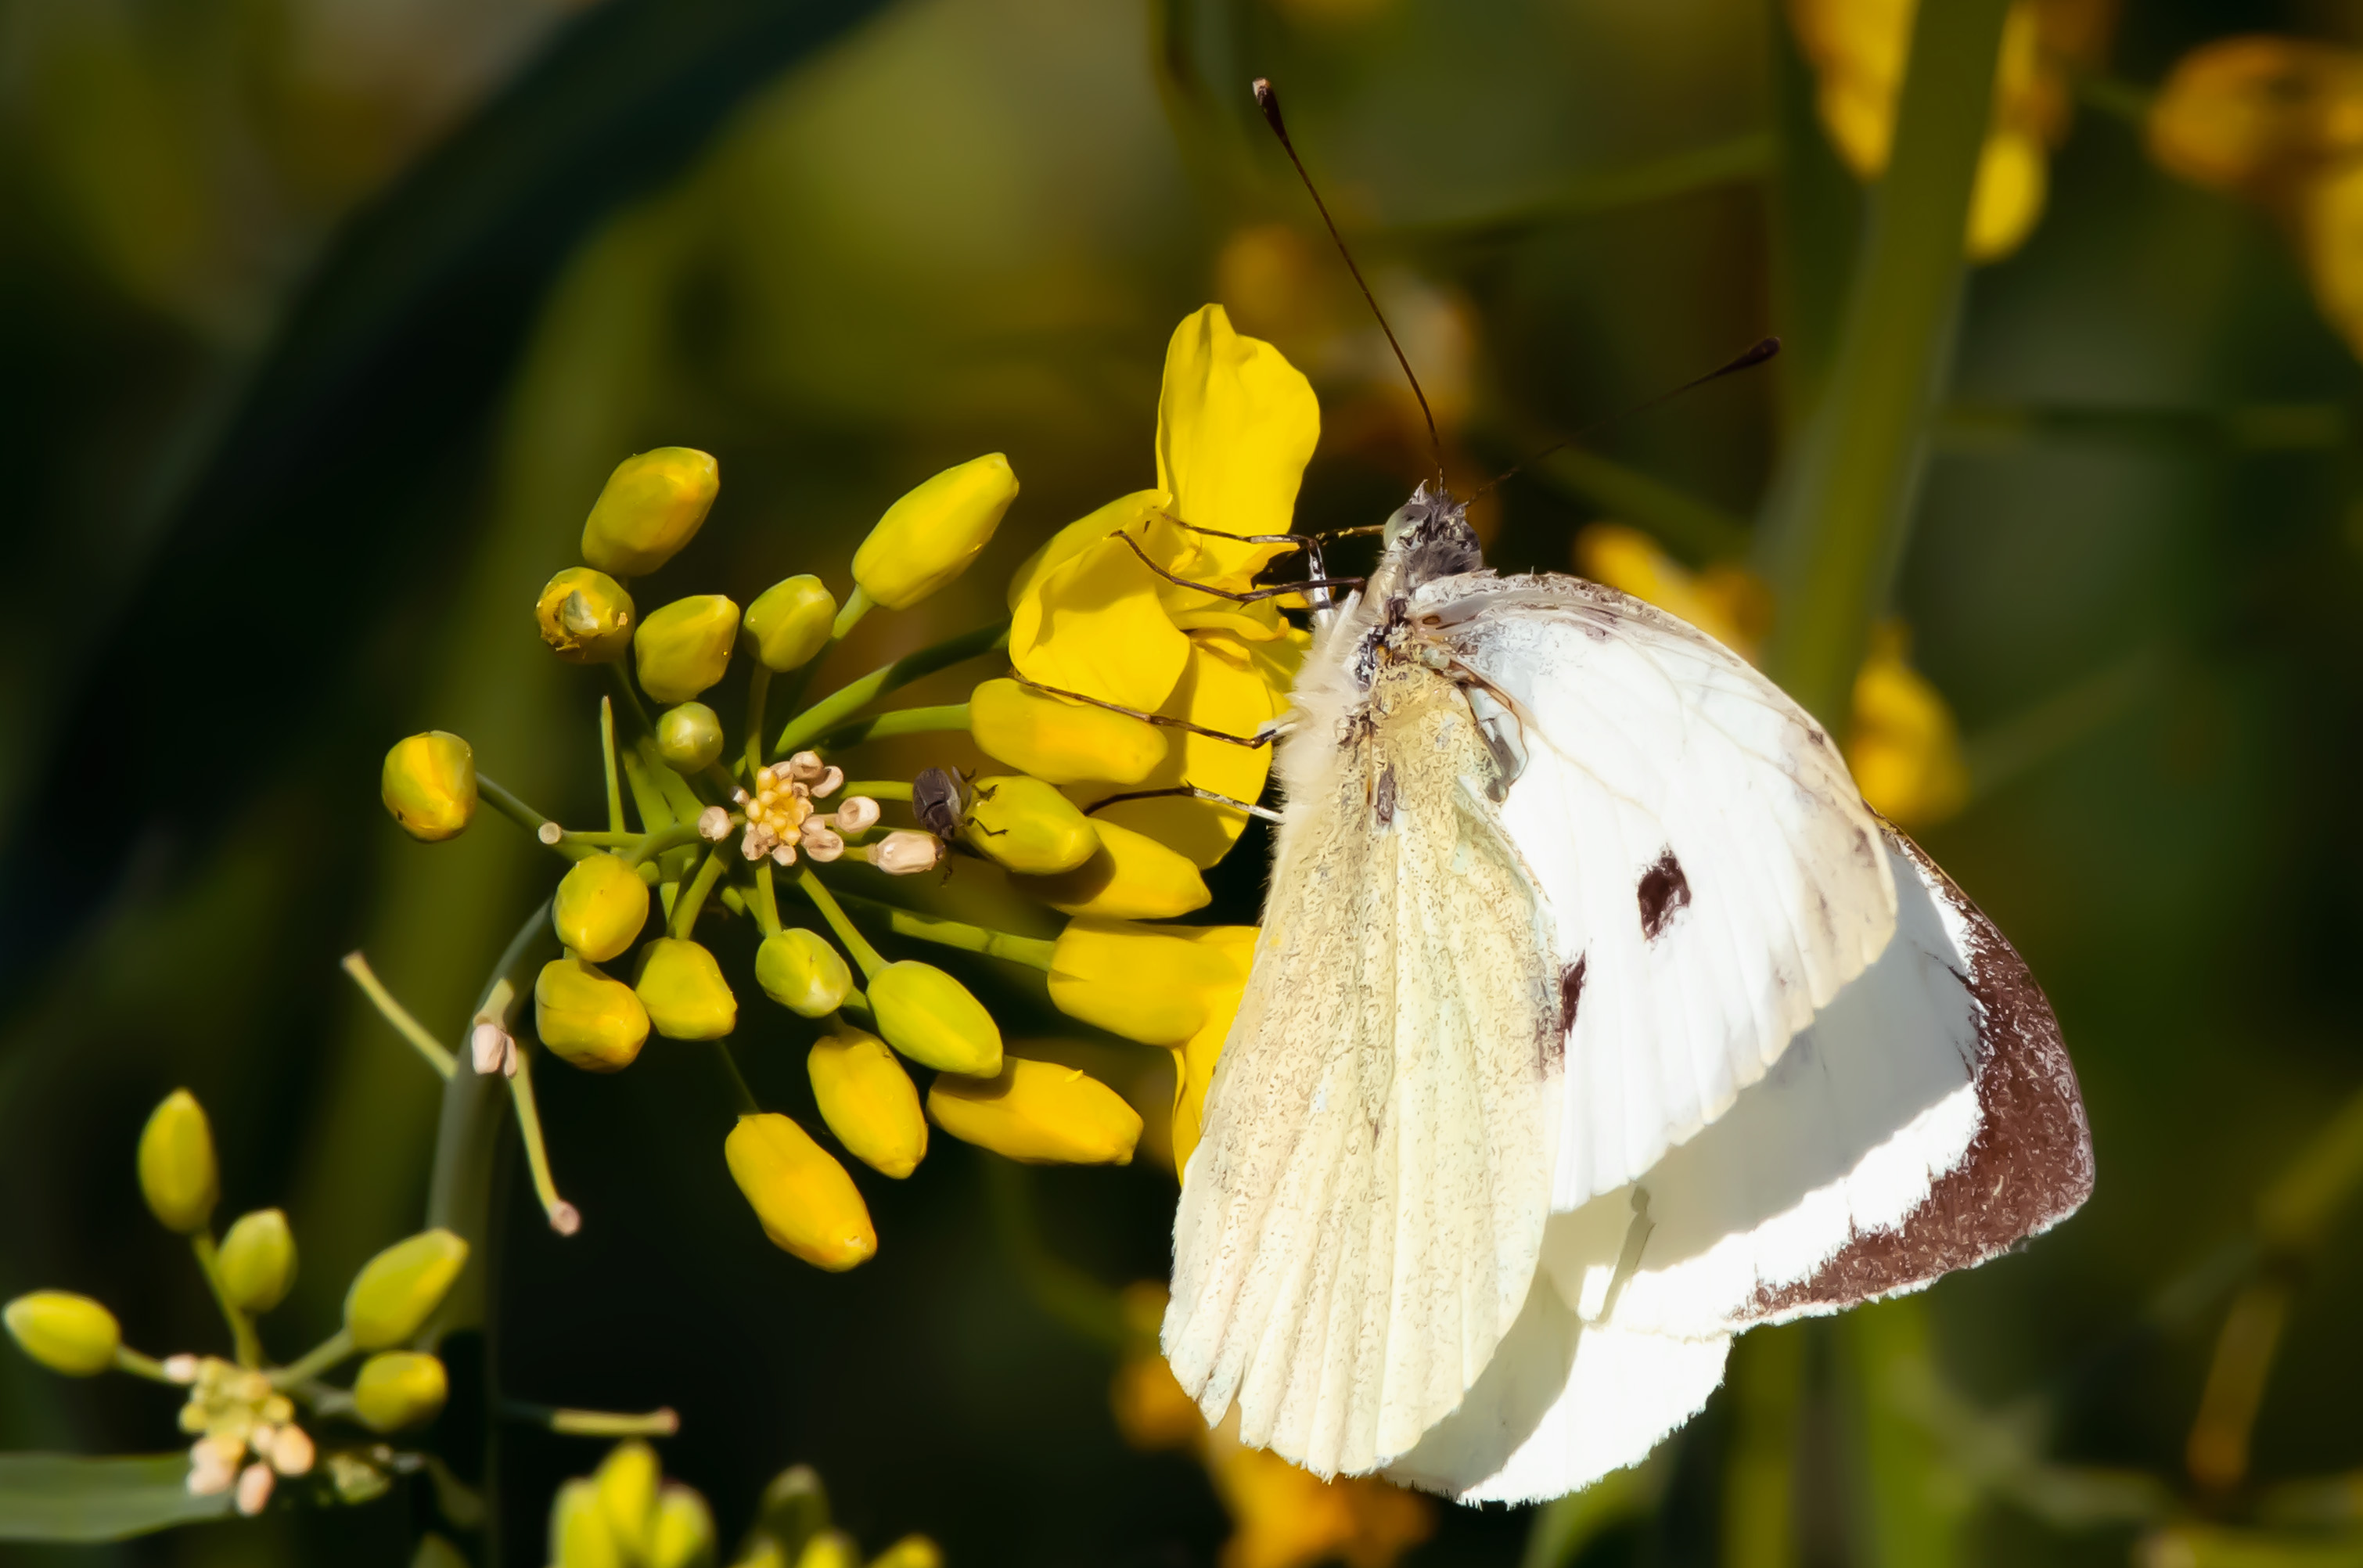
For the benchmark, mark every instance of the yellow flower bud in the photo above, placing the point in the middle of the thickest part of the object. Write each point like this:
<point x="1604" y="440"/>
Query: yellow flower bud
<point x="928" y="536"/>
<point x="801" y="973"/>
<point x="1024" y="825"/>
<point x="830" y="1549"/>
<point x="684" y="647"/>
<point x="1133" y="877"/>
<point x="579" y="1533"/>
<point x="807" y="1204"/>
<point x="585" y="616"/>
<point x="867" y="1101"/>
<point x="66" y="1332"/>
<point x="682" y="1533"/>
<point x="627" y="1480"/>
<point x="599" y="908"/>
<point x="1061" y="742"/>
<point x="400" y="1288"/>
<point x="257" y="1263"/>
<point x="682" y="988"/>
<point x="592" y="1019"/>
<point x="1038" y="1112"/>
<point x="689" y="736"/>
<point x="790" y="622"/>
<point x="910" y="1551"/>
<point x="931" y="1019"/>
<point x="653" y="504"/>
<point x="399" y="1388"/>
<point x="177" y="1174"/>
<point x="429" y="785"/>
<point x="1157" y="985"/>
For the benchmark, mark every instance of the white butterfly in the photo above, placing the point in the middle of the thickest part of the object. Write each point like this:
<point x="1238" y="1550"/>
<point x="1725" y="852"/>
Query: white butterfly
<point x="1595" y="1020"/>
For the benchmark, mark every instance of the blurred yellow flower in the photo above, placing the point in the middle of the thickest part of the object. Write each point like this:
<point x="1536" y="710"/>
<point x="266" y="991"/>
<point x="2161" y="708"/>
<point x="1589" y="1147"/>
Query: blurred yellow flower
<point x="1726" y="602"/>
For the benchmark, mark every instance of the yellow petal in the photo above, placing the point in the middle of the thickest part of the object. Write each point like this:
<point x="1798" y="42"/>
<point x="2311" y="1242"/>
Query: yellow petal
<point x="1725" y="603"/>
<point x="1095" y="625"/>
<point x="1059" y="742"/>
<point x="2333" y="229"/>
<point x="1903" y="746"/>
<point x="1133" y="877"/>
<point x="2008" y="198"/>
<point x="1235" y="424"/>
<point x="1225" y="687"/>
<point x="1157" y="985"/>
<point x="1124" y="511"/>
<point x="1038" y="1112"/>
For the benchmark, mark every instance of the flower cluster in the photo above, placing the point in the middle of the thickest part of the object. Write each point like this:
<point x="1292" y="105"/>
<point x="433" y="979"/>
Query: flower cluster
<point x="626" y="1514"/>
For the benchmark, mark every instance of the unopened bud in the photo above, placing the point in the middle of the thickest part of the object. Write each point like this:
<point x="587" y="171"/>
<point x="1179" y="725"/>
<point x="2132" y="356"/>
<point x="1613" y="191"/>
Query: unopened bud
<point x="177" y="1173"/>
<point x="904" y="852"/>
<point x="1061" y="742"/>
<point x="1133" y="877"/>
<point x="1157" y="985"/>
<point x="821" y="843"/>
<point x="804" y="768"/>
<point x="856" y="814"/>
<point x="580" y="1536"/>
<point x="400" y="1288"/>
<point x="399" y="1388"/>
<point x="830" y="1549"/>
<point x="585" y="616"/>
<point x="684" y="647"/>
<point x="653" y="504"/>
<point x="1038" y="1112"/>
<point x="800" y="971"/>
<point x="1026" y="826"/>
<point x="429" y="785"/>
<point x="869" y="1102"/>
<point x="627" y="1480"/>
<point x="807" y="1204"/>
<point x="257" y="1262"/>
<point x="590" y="1019"/>
<point x="928" y="536"/>
<point x="292" y="1453"/>
<point x="600" y="906"/>
<point x="689" y="736"/>
<point x="681" y="1535"/>
<point x="66" y="1332"/>
<point x="714" y="824"/>
<point x="931" y="1019"/>
<point x="910" y="1551"/>
<point x="684" y="991"/>
<point x="254" y="1484"/>
<point x="790" y="622"/>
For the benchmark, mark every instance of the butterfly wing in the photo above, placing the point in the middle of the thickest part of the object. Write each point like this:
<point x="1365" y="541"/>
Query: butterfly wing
<point x="1359" y="1222"/>
<point x="1712" y="871"/>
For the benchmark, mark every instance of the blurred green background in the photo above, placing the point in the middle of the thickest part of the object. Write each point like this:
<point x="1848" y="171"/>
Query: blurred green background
<point x="322" y="321"/>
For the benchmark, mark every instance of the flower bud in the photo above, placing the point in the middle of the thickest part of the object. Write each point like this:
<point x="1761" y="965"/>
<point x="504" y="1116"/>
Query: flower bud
<point x="928" y="536"/>
<point x="790" y="621"/>
<point x="821" y="842"/>
<point x="856" y="813"/>
<point x="257" y="1262"/>
<point x="429" y="785"/>
<point x="682" y="988"/>
<point x="592" y="1019"/>
<point x="600" y="906"/>
<point x="66" y="1332"/>
<point x="1038" y="1112"/>
<point x="585" y="616"/>
<point x="1157" y="985"/>
<point x="177" y="1174"/>
<point x="580" y="1536"/>
<point x="400" y="1288"/>
<point x="627" y="1480"/>
<point x="807" y="1204"/>
<point x="1061" y="742"/>
<point x="867" y="1101"/>
<point x="830" y="1549"/>
<point x="653" y="504"/>
<point x="910" y="1551"/>
<point x="800" y="971"/>
<point x="904" y="852"/>
<point x="681" y="1535"/>
<point x="689" y="736"/>
<point x="399" y="1388"/>
<point x="684" y="647"/>
<point x="1133" y="877"/>
<point x="931" y="1019"/>
<point x="1026" y="826"/>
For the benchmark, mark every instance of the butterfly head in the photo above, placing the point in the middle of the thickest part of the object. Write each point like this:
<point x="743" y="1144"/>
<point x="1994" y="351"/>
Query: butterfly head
<point x="1429" y="537"/>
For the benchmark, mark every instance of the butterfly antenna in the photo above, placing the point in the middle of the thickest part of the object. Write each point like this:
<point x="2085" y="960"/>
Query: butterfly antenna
<point x="1269" y="102"/>
<point x="1755" y="355"/>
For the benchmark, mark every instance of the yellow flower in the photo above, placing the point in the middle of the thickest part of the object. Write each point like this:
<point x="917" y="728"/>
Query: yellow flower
<point x="1038" y="1112"/>
<point x="1062" y="741"/>
<point x="1723" y="601"/>
<point x="1904" y="747"/>
<point x="1157" y="985"/>
<point x="807" y="1204"/>
<point x="1287" y="1517"/>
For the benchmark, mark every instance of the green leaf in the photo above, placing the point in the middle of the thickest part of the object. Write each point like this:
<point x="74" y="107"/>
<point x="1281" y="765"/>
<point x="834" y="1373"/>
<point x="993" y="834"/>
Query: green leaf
<point x="69" y="1497"/>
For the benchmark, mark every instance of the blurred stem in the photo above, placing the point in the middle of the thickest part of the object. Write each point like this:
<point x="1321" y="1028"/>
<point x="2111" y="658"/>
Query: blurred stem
<point x="564" y="1217"/>
<point x="1565" y="1526"/>
<point x="851" y="699"/>
<point x="901" y="721"/>
<point x="1745" y="157"/>
<point x="314" y="1362"/>
<point x="1843" y="506"/>
<point x="619" y="677"/>
<point x="2117" y="97"/>
<point x="684" y="915"/>
<point x="248" y="1349"/>
<point x="863" y="953"/>
<point x="766" y="902"/>
<point x="1032" y="952"/>
<point x="131" y="1360"/>
<point x="1904" y="1515"/>
<point x="2217" y="1453"/>
<point x="748" y="1104"/>
<point x="607" y="754"/>
<point x="1060" y="1289"/>
<point x="848" y="615"/>
<point x="1767" y="1395"/>
<point x="759" y="692"/>
<point x="395" y="1013"/>
<point x="879" y="789"/>
<point x="569" y="1423"/>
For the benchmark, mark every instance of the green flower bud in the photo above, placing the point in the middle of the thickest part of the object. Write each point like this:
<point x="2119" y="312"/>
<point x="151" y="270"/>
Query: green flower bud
<point x="928" y="536"/>
<point x="931" y="1019"/>
<point x="790" y="622"/>
<point x="682" y="1533"/>
<point x="580" y="1536"/>
<point x="429" y="785"/>
<point x="801" y="973"/>
<point x="807" y="1204"/>
<point x="689" y="736"/>
<point x="1027" y="826"/>
<point x="400" y="1288"/>
<point x="257" y="1263"/>
<point x="627" y="1480"/>
<point x="177" y="1174"/>
<point x="867" y="1101"/>
<point x="684" y="647"/>
<point x="399" y="1388"/>
<point x="653" y="505"/>
<point x="585" y="616"/>
<point x="66" y="1332"/>
<point x="682" y="988"/>
<point x="599" y="908"/>
<point x="592" y="1019"/>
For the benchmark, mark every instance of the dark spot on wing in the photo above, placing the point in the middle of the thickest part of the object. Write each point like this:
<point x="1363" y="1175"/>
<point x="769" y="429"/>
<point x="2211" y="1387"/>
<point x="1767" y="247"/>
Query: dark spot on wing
<point x="1664" y="889"/>
<point x="1383" y="807"/>
<point x="1571" y="994"/>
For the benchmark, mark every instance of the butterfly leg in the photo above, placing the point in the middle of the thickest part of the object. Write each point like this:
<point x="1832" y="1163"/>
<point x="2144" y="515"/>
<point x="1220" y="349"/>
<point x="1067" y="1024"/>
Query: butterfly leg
<point x="1247" y="598"/>
<point x="1192" y="792"/>
<point x="1272" y="729"/>
<point x="1628" y="1262"/>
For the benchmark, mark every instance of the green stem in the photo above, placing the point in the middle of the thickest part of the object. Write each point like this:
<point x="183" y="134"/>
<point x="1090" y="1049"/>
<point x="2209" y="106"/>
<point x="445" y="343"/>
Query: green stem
<point x="856" y="605"/>
<point x="509" y="805"/>
<point x="622" y="682"/>
<point x="851" y="699"/>
<point x="1032" y="952"/>
<point x="314" y="1362"/>
<point x="131" y="1360"/>
<point x="766" y="902"/>
<point x="650" y="845"/>
<point x="878" y="789"/>
<point x="901" y="721"/>
<point x="1843" y="506"/>
<point x="758" y="692"/>
<point x="684" y="912"/>
<point x="571" y="1423"/>
<point x="863" y="953"/>
<point x="607" y="754"/>
<point x="564" y="1217"/>
<point x="248" y="1349"/>
<point x="395" y="1013"/>
<point x="748" y="1104"/>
